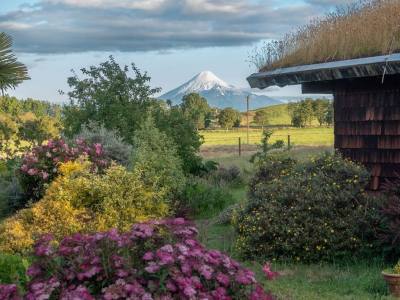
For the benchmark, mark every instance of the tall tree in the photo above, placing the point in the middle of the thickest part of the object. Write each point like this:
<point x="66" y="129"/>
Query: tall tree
<point x="320" y="107"/>
<point x="109" y="96"/>
<point x="12" y="72"/>
<point x="196" y="108"/>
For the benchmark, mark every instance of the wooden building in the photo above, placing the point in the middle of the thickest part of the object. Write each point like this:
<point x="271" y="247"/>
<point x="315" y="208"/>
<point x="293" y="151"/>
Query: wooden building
<point x="366" y="95"/>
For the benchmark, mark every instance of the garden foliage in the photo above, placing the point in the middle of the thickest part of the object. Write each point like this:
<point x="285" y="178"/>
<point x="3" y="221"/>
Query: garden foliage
<point x="11" y="195"/>
<point x="389" y="217"/>
<point x="81" y="201"/>
<point x="39" y="167"/>
<point x="203" y="199"/>
<point x="154" y="260"/>
<point x="114" y="147"/>
<point x="13" y="270"/>
<point x="309" y="212"/>
<point x="155" y="157"/>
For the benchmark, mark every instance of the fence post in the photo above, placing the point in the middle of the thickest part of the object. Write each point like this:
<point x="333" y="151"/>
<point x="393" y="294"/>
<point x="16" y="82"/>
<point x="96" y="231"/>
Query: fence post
<point x="288" y="142"/>
<point x="240" y="146"/>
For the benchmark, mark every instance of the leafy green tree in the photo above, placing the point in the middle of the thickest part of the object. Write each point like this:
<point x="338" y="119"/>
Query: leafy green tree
<point x="37" y="129"/>
<point x="228" y="117"/>
<point x="261" y="117"/>
<point x="182" y="131"/>
<point x="196" y="108"/>
<point x="156" y="157"/>
<point x="109" y="96"/>
<point x="320" y="107"/>
<point x="301" y="113"/>
<point x="12" y="72"/>
<point x="329" y="114"/>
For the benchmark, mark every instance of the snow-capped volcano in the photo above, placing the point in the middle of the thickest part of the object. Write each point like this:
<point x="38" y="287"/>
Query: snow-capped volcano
<point x="218" y="93"/>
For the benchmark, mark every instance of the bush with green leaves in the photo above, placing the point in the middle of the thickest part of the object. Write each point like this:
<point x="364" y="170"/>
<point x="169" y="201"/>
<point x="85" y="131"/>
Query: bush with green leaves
<point x="13" y="269"/>
<point x="155" y="157"/>
<point x="201" y="199"/>
<point x="270" y="168"/>
<point x="313" y="211"/>
<point x="113" y="146"/>
<point x="224" y="176"/>
<point x="11" y="194"/>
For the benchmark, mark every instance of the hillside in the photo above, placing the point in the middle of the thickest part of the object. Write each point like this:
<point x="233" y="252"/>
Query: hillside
<point x="277" y="115"/>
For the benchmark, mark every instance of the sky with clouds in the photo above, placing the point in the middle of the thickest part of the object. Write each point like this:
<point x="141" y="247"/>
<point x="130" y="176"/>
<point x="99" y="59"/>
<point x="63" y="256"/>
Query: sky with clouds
<point x="171" y="39"/>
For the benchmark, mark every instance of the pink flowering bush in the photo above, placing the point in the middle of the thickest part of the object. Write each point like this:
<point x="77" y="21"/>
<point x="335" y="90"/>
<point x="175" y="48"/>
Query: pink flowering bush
<point x="156" y="260"/>
<point x="39" y="167"/>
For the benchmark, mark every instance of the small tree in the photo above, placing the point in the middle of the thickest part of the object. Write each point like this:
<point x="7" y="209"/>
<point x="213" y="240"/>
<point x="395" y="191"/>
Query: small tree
<point x="261" y="117"/>
<point x="228" y="117"/>
<point x="109" y="96"/>
<point x="196" y="108"/>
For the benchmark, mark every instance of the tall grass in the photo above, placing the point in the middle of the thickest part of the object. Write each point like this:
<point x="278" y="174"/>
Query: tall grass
<point x="364" y="28"/>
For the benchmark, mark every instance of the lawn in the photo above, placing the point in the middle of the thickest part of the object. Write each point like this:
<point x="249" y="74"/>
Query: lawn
<point x="350" y="280"/>
<point x="313" y="136"/>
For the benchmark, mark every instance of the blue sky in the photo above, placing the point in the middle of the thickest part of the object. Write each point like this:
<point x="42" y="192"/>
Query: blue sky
<point x="170" y="39"/>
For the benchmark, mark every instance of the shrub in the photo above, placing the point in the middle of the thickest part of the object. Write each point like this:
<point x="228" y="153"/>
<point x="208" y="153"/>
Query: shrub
<point x="226" y="216"/>
<point x="317" y="211"/>
<point x="155" y="157"/>
<point x="39" y="167"/>
<point x="12" y="270"/>
<point x="389" y="216"/>
<point x="80" y="201"/>
<point x="10" y="190"/>
<point x="155" y="260"/>
<point x="201" y="199"/>
<point x="114" y="147"/>
<point x="225" y="176"/>
<point x="270" y="168"/>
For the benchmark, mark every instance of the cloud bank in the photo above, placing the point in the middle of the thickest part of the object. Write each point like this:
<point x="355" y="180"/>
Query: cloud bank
<point x="67" y="26"/>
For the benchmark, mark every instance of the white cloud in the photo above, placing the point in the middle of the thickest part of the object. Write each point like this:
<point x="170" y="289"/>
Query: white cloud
<point x="65" y="26"/>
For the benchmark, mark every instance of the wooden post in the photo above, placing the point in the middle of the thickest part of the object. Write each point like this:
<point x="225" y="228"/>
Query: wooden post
<point x="248" y="123"/>
<point x="240" y="146"/>
<point x="288" y="142"/>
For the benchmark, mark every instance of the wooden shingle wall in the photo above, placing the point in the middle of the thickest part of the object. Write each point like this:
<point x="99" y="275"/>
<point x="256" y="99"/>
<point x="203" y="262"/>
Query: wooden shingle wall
<point x="367" y="125"/>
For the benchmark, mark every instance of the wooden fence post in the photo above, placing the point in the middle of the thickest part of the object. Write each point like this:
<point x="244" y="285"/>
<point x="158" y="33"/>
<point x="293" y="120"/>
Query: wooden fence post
<point x="240" y="146"/>
<point x="288" y="142"/>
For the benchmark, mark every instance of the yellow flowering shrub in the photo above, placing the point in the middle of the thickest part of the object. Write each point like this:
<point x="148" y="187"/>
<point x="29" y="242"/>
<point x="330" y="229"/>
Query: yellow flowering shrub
<point x="311" y="211"/>
<point x="80" y="201"/>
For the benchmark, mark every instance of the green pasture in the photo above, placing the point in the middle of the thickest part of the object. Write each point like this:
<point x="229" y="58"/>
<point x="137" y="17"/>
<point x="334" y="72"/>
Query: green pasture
<point x="313" y="136"/>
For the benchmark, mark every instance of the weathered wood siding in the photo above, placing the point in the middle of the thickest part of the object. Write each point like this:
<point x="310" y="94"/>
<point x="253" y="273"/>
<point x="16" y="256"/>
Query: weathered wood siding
<point x="367" y="124"/>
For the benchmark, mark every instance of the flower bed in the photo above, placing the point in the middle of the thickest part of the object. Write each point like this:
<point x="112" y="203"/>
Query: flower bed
<point x="155" y="260"/>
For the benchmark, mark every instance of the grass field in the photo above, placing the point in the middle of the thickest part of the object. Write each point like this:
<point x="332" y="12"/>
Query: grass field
<point x="278" y="115"/>
<point x="313" y="136"/>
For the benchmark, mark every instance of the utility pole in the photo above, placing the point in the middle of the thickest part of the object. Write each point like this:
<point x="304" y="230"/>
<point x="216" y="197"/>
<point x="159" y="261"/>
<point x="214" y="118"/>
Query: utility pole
<point x="248" y="123"/>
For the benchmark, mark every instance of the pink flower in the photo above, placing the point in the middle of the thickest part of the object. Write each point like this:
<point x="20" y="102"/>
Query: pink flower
<point x="148" y="256"/>
<point x="152" y="267"/>
<point x="206" y="271"/>
<point x="223" y="279"/>
<point x="98" y="149"/>
<point x="271" y="275"/>
<point x="32" y="172"/>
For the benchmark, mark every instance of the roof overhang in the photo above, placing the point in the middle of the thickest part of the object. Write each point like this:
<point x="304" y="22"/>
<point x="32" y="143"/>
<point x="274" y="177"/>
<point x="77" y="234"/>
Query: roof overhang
<point x="325" y="72"/>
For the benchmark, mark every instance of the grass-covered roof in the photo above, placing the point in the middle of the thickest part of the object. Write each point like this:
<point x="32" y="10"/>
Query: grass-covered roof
<point x="363" y="29"/>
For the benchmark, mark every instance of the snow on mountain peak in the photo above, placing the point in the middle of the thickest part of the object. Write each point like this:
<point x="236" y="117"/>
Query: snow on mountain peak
<point x="204" y="81"/>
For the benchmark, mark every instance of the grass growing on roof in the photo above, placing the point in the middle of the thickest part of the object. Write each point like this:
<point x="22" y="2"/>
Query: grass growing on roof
<point x="361" y="29"/>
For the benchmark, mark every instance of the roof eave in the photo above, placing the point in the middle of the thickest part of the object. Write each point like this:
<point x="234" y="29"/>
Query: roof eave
<point x="346" y="69"/>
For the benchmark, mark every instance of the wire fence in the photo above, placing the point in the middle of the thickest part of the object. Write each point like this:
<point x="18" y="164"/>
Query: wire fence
<point x="291" y="137"/>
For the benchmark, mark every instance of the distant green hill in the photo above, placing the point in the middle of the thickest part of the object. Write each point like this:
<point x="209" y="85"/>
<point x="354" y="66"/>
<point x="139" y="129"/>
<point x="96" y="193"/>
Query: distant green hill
<point x="277" y="115"/>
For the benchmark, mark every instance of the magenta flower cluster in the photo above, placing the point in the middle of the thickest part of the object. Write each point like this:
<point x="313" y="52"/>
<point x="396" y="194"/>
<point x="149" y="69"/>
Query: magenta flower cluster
<point x="160" y="260"/>
<point x="40" y="165"/>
